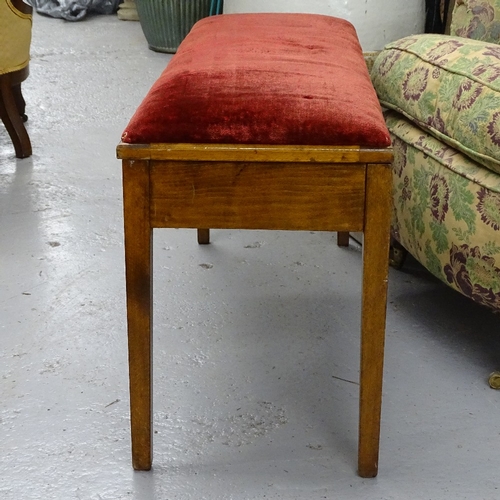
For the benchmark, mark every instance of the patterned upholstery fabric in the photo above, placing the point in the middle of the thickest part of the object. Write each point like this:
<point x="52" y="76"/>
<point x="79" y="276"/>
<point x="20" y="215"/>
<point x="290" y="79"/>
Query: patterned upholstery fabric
<point x="264" y="79"/>
<point x="14" y="25"/>
<point x="477" y="19"/>
<point x="444" y="96"/>
<point x="448" y="86"/>
<point x="446" y="211"/>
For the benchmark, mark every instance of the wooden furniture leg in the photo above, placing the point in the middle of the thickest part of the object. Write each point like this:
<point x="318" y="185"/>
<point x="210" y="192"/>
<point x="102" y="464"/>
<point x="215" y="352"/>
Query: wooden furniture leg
<point x="374" y="301"/>
<point x="20" y="102"/>
<point x="203" y="236"/>
<point x="138" y="259"/>
<point x="397" y="254"/>
<point x="342" y="239"/>
<point x="10" y="112"/>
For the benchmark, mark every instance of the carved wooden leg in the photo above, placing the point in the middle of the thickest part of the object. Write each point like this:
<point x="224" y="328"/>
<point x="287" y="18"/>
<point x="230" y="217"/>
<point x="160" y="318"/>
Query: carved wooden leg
<point x="374" y="302"/>
<point x="342" y="239"/>
<point x="10" y="115"/>
<point x="20" y="102"/>
<point x="397" y="254"/>
<point x="203" y="236"/>
<point x="138" y="264"/>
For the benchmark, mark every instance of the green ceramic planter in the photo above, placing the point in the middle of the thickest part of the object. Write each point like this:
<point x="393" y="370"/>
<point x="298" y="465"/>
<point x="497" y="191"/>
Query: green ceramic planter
<point x="165" y="23"/>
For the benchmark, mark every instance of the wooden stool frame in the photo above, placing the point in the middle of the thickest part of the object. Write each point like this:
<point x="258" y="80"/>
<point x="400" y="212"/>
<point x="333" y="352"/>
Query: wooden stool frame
<point x="225" y="186"/>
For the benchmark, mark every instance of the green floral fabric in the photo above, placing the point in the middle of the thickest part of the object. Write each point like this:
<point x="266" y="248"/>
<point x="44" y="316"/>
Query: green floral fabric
<point x="448" y="86"/>
<point x="446" y="211"/>
<point x="476" y="19"/>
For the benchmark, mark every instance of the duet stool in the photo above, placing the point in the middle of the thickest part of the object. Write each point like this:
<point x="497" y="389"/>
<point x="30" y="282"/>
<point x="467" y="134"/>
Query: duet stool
<point x="260" y="121"/>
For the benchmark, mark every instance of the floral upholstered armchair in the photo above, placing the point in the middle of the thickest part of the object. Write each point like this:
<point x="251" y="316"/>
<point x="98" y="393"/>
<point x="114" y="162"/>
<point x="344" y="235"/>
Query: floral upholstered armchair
<point x="443" y="97"/>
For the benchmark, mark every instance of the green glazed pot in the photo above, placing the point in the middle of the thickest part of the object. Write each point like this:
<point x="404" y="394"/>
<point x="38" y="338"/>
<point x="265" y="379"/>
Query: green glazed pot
<point x="165" y="23"/>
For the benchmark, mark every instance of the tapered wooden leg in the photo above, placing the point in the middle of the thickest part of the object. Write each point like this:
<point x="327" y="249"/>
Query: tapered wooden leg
<point x="342" y="239"/>
<point x="374" y="302"/>
<point x="203" y="236"/>
<point x="11" y="117"/>
<point x="138" y="263"/>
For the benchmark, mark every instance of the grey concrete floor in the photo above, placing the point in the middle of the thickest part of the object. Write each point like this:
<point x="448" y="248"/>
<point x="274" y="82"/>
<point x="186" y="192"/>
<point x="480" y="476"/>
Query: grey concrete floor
<point x="256" y="335"/>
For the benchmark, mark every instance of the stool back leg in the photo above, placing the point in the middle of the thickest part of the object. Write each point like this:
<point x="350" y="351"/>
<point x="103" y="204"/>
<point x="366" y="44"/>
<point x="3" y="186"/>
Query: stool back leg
<point x="138" y="270"/>
<point x="373" y="314"/>
<point x="203" y="236"/>
<point x="343" y="239"/>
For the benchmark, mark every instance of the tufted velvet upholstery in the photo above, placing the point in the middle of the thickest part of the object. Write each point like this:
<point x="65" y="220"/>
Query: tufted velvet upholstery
<point x="264" y="79"/>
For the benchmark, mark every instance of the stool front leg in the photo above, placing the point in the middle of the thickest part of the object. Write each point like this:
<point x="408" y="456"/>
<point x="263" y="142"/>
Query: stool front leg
<point x="374" y="303"/>
<point x="138" y="267"/>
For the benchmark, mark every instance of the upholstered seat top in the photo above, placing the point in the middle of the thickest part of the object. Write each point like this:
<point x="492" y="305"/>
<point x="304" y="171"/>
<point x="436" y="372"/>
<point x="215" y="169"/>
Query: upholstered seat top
<point x="297" y="79"/>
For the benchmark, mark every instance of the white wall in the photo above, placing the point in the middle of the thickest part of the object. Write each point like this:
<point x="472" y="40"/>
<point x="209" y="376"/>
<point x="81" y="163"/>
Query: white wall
<point x="377" y="21"/>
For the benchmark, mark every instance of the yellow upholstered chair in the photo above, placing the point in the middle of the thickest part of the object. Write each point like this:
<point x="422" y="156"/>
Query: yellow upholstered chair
<point x="15" y="40"/>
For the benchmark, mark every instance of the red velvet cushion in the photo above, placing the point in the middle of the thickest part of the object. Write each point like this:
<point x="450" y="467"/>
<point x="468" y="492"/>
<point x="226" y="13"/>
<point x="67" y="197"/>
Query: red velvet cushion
<point x="264" y="79"/>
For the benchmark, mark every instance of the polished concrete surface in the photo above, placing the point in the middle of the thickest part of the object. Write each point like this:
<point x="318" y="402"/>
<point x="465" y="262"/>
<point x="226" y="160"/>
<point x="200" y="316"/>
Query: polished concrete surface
<point x="256" y="335"/>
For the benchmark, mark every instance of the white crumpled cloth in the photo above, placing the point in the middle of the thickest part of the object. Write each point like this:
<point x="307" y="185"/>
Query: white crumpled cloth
<point x="73" y="10"/>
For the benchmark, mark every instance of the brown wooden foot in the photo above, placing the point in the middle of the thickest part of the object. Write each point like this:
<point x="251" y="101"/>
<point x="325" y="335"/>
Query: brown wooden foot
<point x="203" y="236"/>
<point x="342" y="239"/>
<point x="397" y="254"/>
<point x="12" y="113"/>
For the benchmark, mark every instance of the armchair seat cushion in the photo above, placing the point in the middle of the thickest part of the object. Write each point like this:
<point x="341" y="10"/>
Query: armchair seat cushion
<point x="446" y="212"/>
<point x="448" y="86"/>
<point x="294" y="79"/>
